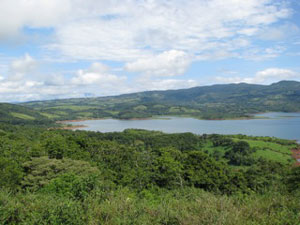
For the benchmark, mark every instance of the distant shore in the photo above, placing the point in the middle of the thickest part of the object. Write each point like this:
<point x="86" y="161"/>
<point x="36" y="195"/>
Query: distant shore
<point x="162" y="117"/>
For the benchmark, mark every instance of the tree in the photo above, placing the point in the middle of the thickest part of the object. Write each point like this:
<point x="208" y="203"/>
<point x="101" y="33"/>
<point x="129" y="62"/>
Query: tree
<point x="40" y="171"/>
<point x="168" y="168"/>
<point x="11" y="173"/>
<point x="293" y="179"/>
<point x="202" y="171"/>
<point x="240" y="154"/>
<point x="55" y="145"/>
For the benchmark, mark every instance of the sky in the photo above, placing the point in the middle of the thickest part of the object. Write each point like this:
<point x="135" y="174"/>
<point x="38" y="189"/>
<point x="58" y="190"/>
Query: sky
<point x="53" y="49"/>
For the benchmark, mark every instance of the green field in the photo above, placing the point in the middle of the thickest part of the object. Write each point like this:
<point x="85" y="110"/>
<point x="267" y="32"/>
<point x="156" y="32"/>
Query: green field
<point x="22" y="116"/>
<point x="208" y="102"/>
<point x="271" y="151"/>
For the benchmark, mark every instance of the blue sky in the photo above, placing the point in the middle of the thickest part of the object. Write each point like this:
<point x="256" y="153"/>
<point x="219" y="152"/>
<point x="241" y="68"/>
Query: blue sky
<point x="76" y="48"/>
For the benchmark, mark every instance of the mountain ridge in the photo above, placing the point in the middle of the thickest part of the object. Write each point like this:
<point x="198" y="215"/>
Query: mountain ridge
<point x="219" y="101"/>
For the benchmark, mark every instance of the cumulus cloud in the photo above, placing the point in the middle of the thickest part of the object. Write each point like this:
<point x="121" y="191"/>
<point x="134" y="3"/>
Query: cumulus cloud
<point x="269" y="75"/>
<point x="17" y="14"/>
<point x="144" y="83"/>
<point x="274" y="73"/>
<point x="21" y="85"/>
<point x="168" y="63"/>
<point x="154" y="38"/>
<point x="20" y="67"/>
<point x="97" y="74"/>
<point x="97" y="80"/>
<point x="136" y="29"/>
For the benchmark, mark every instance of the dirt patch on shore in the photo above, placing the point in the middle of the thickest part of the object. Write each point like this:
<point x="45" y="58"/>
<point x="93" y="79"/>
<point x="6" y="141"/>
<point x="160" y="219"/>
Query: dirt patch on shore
<point x="70" y="121"/>
<point x="73" y="127"/>
<point x="296" y="156"/>
<point x="67" y="127"/>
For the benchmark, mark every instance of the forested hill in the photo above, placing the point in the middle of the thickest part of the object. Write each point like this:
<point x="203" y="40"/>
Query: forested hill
<point x="206" y="102"/>
<point x="21" y="115"/>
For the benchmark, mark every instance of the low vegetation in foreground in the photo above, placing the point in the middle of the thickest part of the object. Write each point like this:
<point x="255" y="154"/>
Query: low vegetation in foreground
<point x="145" y="177"/>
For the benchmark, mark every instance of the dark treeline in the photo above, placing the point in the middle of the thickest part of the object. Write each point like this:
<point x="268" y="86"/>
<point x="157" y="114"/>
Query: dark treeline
<point x="141" y="177"/>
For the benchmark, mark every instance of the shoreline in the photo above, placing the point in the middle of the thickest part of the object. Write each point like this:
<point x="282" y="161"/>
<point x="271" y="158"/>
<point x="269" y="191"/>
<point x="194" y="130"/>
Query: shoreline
<point x="73" y="127"/>
<point x="68" y="127"/>
<point x="160" y="117"/>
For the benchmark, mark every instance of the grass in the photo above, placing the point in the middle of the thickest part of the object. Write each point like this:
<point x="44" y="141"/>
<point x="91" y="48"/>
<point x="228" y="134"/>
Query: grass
<point x="49" y="115"/>
<point x="270" y="150"/>
<point x="85" y="114"/>
<point x="22" y="116"/>
<point x="73" y="107"/>
<point x="211" y="149"/>
<point x="273" y="156"/>
<point x="267" y="150"/>
<point x="187" y="207"/>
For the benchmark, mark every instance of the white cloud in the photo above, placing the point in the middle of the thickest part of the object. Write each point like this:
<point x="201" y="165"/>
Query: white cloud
<point x="97" y="74"/>
<point x="279" y="33"/>
<point x="155" y="38"/>
<point x="258" y="54"/>
<point x="16" y="14"/>
<point x="16" y="69"/>
<point x="168" y="63"/>
<point x="274" y="73"/>
<point x="54" y="80"/>
<point x="167" y="84"/>
<point x="20" y="67"/>
<point x="144" y="83"/>
<point x="97" y="80"/>
<point x="21" y="85"/>
<point x="130" y="30"/>
<point x="266" y="76"/>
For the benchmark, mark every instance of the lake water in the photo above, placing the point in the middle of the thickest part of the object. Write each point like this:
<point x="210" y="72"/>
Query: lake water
<point x="281" y="125"/>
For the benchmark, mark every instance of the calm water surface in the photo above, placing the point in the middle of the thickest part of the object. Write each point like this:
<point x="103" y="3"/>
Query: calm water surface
<point x="281" y="125"/>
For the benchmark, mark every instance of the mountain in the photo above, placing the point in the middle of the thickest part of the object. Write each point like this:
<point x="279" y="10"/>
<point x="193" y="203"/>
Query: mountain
<point x="220" y="101"/>
<point x="17" y="114"/>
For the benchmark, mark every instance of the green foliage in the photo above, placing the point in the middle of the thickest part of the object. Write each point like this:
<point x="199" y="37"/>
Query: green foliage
<point x="11" y="173"/>
<point x="72" y="185"/>
<point x="40" y="171"/>
<point x="185" y="206"/>
<point x="198" y="170"/>
<point x="20" y="115"/>
<point x="240" y="154"/>
<point x="168" y="168"/>
<point x="55" y="145"/>
<point x="293" y="180"/>
<point x="39" y="209"/>
<point x="207" y="102"/>
<point x="143" y="177"/>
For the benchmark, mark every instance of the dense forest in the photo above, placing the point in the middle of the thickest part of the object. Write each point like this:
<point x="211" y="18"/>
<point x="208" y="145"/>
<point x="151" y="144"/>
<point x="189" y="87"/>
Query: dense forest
<point x="55" y="176"/>
<point x="51" y="176"/>
<point x="207" y="102"/>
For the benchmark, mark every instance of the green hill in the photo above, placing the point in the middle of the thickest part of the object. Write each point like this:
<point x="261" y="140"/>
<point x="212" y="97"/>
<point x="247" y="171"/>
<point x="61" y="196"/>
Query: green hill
<point x="206" y="102"/>
<point x="17" y="114"/>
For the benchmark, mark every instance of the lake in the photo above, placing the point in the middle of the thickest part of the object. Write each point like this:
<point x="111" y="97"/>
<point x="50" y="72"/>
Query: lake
<point x="281" y="125"/>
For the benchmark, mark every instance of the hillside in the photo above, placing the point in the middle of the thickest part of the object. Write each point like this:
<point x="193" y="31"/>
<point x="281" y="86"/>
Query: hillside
<point x="17" y="114"/>
<point x="206" y="102"/>
<point x="54" y="176"/>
